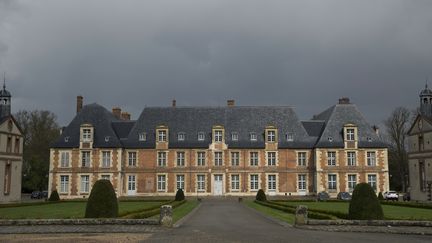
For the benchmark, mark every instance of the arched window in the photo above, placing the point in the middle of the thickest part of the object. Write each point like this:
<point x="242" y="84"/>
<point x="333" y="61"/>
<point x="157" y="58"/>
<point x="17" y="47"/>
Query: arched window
<point x="425" y="101"/>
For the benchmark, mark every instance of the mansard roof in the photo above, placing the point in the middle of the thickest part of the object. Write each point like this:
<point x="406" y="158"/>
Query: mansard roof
<point x="242" y="120"/>
<point x="336" y="117"/>
<point x="101" y="120"/>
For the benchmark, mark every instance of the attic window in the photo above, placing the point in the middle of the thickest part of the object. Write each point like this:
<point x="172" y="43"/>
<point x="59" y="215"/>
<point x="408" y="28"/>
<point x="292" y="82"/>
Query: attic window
<point x="290" y="137"/>
<point x="107" y="138"/>
<point x="330" y="139"/>
<point x="253" y="136"/>
<point x="369" y="139"/>
<point x="66" y="139"/>
<point x="181" y="136"/>
<point x="234" y="136"/>
<point x="142" y="136"/>
<point x="200" y="136"/>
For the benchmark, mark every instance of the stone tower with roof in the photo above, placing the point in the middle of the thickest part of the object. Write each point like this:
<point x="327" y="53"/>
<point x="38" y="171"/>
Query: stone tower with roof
<point x="426" y="101"/>
<point x="5" y="100"/>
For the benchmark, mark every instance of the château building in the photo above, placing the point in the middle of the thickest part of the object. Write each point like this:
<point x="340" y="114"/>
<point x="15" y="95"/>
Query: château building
<point x="11" y="151"/>
<point x="217" y="151"/>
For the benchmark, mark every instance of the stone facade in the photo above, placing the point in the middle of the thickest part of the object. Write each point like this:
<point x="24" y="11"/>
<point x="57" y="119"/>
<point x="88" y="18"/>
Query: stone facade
<point x="221" y="167"/>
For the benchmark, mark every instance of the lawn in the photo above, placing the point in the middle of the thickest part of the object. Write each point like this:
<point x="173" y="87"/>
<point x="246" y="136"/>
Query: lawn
<point x="283" y="216"/>
<point x="64" y="210"/>
<point x="184" y="209"/>
<point x="390" y="211"/>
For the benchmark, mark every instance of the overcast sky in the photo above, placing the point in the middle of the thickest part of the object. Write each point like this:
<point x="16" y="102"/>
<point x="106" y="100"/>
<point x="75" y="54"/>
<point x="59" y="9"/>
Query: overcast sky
<point x="137" y="53"/>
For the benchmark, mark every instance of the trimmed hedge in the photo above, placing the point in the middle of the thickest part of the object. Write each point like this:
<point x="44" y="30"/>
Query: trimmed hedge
<point x="146" y="209"/>
<point x="102" y="202"/>
<point x="337" y="214"/>
<point x="179" y="195"/>
<point x="260" y="196"/>
<point x="151" y="212"/>
<point x="54" y="197"/>
<point x="311" y="214"/>
<point x="364" y="204"/>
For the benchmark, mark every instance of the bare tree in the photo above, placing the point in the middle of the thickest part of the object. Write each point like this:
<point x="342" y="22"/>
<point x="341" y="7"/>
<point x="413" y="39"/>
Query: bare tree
<point x="397" y="126"/>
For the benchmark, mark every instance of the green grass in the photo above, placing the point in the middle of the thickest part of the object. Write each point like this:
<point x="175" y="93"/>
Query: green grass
<point x="390" y="211"/>
<point x="64" y="210"/>
<point x="283" y="216"/>
<point x="184" y="209"/>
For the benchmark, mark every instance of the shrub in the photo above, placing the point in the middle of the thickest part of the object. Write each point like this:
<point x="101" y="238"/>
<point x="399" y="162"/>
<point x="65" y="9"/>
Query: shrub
<point x="364" y="204"/>
<point x="102" y="202"/>
<point x="179" y="195"/>
<point x="54" y="197"/>
<point x="380" y="196"/>
<point x="260" y="196"/>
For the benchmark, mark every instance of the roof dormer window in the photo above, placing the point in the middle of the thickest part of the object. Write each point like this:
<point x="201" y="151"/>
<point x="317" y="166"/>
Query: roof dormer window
<point x="330" y="139"/>
<point x="201" y="136"/>
<point x="142" y="136"/>
<point x="107" y="138"/>
<point x="350" y="134"/>
<point x="66" y="139"/>
<point x="253" y="136"/>
<point x="162" y="136"/>
<point x="369" y="139"/>
<point x="86" y="135"/>
<point x="234" y="136"/>
<point x="181" y="136"/>
<point x="290" y="137"/>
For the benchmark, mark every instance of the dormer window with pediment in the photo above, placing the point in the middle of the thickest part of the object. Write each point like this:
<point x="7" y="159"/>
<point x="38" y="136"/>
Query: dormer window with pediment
<point x="86" y="134"/>
<point x="162" y="134"/>
<point x="350" y="132"/>
<point x="218" y="134"/>
<point x="181" y="136"/>
<point x="271" y="134"/>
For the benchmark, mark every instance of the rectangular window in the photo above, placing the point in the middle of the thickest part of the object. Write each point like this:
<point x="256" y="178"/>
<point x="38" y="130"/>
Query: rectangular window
<point x="271" y="158"/>
<point x="7" y="179"/>
<point x="86" y="136"/>
<point x="201" y="183"/>
<point x="162" y="136"/>
<point x="64" y="184"/>
<point x="201" y="158"/>
<point x="218" y="159"/>
<point x="290" y="137"/>
<point x="142" y="136"/>
<point x="85" y="183"/>
<point x="218" y="136"/>
<point x="352" y="182"/>
<point x="253" y="136"/>
<point x="235" y="182"/>
<point x="372" y="181"/>
<point x="422" y="176"/>
<point x="132" y="157"/>
<point x="254" y="184"/>
<point x="235" y="158"/>
<point x="17" y="145"/>
<point x="331" y="158"/>
<point x="180" y="158"/>
<point x="161" y="159"/>
<point x="9" y="145"/>
<point x="253" y="158"/>
<point x="301" y="158"/>
<point x="350" y="134"/>
<point x="271" y="136"/>
<point x="106" y="159"/>
<point x="332" y="182"/>
<point x="271" y="182"/>
<point x="234" y="136"/>
<point x="200" y="136"/>
<point x="161" y="183"/>
<point x="64" y="159"/>
<point x="106" y="177"/>
<point x="301" y="182"/>
<point x="181" y="136"/>
<point x="131" y="183"/>
<point x="371" y="159"/>
<point x="180" y="182"/>
<point x="351" y="158"/>
<point x="85" y="158"/>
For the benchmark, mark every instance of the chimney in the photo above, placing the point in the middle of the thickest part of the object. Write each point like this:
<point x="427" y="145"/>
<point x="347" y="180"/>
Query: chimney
<point x="116" y="112"/>
<point x="344" y="101"/>
<point x="125" y="116"/>
<point x="376" y="129"/>
<point x="174" y="103"/>
<point x="230" y="103"/>
<point x="79" y="103"/>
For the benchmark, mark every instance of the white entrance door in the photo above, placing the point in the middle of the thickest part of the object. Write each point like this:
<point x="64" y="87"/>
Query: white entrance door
<point x="131" y="190"/>
<point x="218" y="183"/>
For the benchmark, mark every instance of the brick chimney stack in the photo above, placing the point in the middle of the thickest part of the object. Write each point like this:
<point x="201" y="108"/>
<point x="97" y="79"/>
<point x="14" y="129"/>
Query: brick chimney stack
<point x="344" y="101"/>
<point x="230" y="103"/>
<point x="174" y="103"/>
<point x="117" y="112"/>
<point x="79" y="103"/>
<point x="125" y="116"/>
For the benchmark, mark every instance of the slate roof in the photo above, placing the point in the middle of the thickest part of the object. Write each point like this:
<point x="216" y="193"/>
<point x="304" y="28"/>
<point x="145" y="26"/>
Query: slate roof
<point x="242" y="120"/>
<point x="100" y="118"/>
<point x="313" y="128"/>
<point x="339" y="115"/>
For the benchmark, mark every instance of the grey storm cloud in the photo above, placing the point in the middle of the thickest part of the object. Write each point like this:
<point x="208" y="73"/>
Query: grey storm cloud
<point x="137" y="53"/>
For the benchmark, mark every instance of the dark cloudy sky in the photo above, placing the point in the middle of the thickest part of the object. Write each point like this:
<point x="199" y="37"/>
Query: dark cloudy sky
<point x="137" y="53"/>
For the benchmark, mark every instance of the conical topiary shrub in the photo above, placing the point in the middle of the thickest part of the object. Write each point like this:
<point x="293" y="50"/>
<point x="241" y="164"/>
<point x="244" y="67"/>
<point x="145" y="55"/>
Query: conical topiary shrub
<point x="102" y="202"/>
<point x="380" y="196"/>
<point x="179" y="195"/>
<point x="260" y="196"/>
<point x="54" y="197"/>
<point x="364" y="204"/>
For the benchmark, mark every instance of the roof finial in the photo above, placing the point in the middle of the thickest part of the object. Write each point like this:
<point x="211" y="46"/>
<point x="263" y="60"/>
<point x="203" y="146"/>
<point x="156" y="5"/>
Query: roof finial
<point x="4" y="80"/>
<point x="426" y="85"/>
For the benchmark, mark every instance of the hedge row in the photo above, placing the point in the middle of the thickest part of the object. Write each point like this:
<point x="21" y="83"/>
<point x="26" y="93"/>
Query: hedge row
<point x="146" y="209"/>
<point x="151" y="212"/>
<point x="16" y="205"/>
<point x="311" y="214"/>
<point x="337" y="214"/>
<point x="408" y="204"/>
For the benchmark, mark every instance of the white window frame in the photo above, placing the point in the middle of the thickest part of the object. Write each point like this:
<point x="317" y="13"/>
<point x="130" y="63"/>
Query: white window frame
<point x="271" y="136"/>
<point x="235" y="158"/>
<point x="271" y="158"/>
<point x="332" y="184"/>
<point x="132" y="158"/>
<point x="234" y="136"/>
<point x="201" y="158"/>
<point x="180" y="182"/>
<point x="254" y="160"/>
<point x="131" y="183"/>
<point x="162" y="159"/>
<point x="86" y="135"/>
<point x="106" y="159"/>
<point x="181" y="136"/>
<point x="85" y="184"/>
<point x="302" y="182"/>
<point x="235" y="182"/>
<point x="373" y="183"/>
<point x="331" y="160"/>
<point x="271" y="182"/>
<point x="201" y="136"/>
<point x="201" y="183"/>
<point x="181" y="161"/>
<point x="253" y="136"/>
<point x="64" y="159"/>
<point x="351" y="183"/>
<point x="290" y="137"/>
<point x="350" y="134"/>
<point x="371" y="160"/>
<point x="301" y="158"/>
<point x="64" y="183"/>
<point x="162" y="136"/>
<point x="85" y="160"/>
<point x="161" y="183"/>
<point x="254" y="182"/>
<point x="218" y="134"/>
<point x="351" y="160"/>
<point x="218" y="158"/>
<point x="142" y="136"/>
